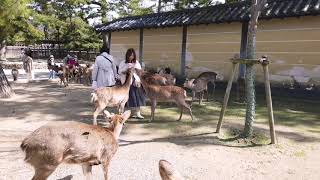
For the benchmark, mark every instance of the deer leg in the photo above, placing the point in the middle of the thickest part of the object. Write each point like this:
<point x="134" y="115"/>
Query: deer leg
<point x="153" y="107"/>
<point x="121" y="108"/>
<point x="207" y="90"/>
<point x="87" y="171"/>
<point x="201" y="96"/>
<point x="43" y="173"/>
<point x="105" y="167"/>
<point x="193" y="95"/>
<point x="181" y="111"/>
<point x="214" y="88"/>
<point x="185" y="105"/>
<point x="96" y="113"/>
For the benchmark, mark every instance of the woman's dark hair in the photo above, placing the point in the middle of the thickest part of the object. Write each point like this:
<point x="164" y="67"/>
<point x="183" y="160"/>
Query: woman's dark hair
<point x="105" y="49"/>
<point x="128" y="54"/>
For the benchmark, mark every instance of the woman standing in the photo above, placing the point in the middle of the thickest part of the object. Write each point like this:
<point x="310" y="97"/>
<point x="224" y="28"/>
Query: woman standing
<point x="104" y="71"/>
<point x="136" y="93"/>
<point x="28" y="64"/>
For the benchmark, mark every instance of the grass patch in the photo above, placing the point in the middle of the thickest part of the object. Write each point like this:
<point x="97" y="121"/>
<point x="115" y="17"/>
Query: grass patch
<point x="300" y="153"/>
<point x="303" y="116"/>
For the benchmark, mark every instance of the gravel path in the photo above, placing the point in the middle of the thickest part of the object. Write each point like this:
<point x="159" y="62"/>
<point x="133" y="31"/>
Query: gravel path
<point x="199" y="156"/>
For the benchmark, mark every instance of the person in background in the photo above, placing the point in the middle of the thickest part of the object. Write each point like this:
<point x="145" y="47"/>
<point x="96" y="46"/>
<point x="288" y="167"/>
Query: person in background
<point x="136" y="92"/>
<point x="66" y="59"/>
<point x="28" y="64"/>
<point x="104" y="73"/>
<point x="50" y="67"/>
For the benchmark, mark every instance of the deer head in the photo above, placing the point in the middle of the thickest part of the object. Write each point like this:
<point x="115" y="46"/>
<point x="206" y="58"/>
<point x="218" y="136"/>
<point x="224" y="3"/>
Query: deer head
<point x="117" y="121"/>
<point x="188" y="83"/>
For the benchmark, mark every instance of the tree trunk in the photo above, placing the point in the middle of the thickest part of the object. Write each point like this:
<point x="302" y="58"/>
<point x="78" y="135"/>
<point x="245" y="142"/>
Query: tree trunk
<point x="250" y="73"/>
<point x="5" y="88"/>
<point x="3" y="49"/>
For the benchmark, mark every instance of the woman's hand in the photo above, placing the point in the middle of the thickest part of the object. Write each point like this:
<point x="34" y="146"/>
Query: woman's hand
<point x="130" y="65"/>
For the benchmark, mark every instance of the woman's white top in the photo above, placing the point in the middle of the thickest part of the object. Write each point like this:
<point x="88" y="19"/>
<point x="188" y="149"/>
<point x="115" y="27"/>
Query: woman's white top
<point x="123" y="68"/>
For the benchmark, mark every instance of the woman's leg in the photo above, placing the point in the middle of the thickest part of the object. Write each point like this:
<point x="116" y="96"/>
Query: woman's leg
<point x="138" y="113"/>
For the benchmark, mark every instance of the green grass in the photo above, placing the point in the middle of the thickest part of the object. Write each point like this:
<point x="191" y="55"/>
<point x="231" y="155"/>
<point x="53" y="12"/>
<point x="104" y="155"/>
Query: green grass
<point x="302" y="116"/>
<point x="300" y="153"/>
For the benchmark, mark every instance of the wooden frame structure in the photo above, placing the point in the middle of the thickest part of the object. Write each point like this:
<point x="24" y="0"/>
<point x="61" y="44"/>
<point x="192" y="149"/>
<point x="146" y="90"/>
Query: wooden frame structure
<point x="264" y="62"/>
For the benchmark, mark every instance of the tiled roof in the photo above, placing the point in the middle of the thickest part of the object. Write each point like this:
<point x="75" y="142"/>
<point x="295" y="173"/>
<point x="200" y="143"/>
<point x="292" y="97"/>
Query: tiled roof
<point x="221" y="13"/>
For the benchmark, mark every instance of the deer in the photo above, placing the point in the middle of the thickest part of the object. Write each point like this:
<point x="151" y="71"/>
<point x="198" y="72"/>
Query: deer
<point x="63" y="74"/>
<point x="115" y="96"/>
<point x="73" y="143"/>
<point x="168" y="172"/>
<point x="161" y="78"/>
<point x="164" y="93"/>
<point x="200" y="84"/>
<point x="87" y="74"/>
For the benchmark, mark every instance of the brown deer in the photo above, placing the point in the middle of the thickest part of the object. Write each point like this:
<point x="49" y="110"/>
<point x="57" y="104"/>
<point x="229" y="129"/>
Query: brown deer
<point x="87" y="74"/>
<point x="200" y="84"/>
<point x="164" y="93"/>
<point x="62" y="73"/>
<point x="168" y="172"/>
<point x="74" y="143"/>
<point x="115" y="96"/>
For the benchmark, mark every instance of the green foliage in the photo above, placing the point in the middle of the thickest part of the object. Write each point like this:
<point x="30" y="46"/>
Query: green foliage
<point x="16" y="21"/>
<point x="67" y="22"/>
<point x="185" y="4"/>
<point x="132" y="8"/>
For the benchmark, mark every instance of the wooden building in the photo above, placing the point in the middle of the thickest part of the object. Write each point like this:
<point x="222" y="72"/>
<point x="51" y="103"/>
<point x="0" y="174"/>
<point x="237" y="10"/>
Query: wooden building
<point x="204" y="39"/>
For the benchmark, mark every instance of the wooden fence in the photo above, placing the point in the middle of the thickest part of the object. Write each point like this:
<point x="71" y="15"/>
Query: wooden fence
<point x="15" y="52"/>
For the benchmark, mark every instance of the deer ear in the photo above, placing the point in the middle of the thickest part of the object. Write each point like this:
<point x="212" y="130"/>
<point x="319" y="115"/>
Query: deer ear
<point x="108" y="114"/>
<point x="126" y="115"/>
<point x="191" y="80"/>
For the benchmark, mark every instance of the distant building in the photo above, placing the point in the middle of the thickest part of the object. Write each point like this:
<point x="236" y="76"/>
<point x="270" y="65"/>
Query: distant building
<point x="204" y="39"/>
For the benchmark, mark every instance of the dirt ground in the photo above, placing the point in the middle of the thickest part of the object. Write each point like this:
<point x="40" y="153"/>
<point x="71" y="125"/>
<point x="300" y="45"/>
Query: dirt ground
<point x="193" y="147"/>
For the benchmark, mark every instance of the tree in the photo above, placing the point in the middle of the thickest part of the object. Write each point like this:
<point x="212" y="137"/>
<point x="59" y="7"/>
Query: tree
<point x="133" y="8"/>
<point x="69" y="21"/>
<point x="5" y="88"/>
<point x="15" y="23"/>
<point x="250" y="74"/>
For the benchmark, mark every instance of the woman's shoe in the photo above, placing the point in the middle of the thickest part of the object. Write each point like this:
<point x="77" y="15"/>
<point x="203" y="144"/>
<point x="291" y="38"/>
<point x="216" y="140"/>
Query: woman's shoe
<point x="139" y="116"/>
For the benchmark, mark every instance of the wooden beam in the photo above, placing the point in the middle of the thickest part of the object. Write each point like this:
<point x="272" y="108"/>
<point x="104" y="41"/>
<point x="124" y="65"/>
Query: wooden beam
<point x="265" y="64"/>
<point x="141" y="46"/>
<point x="246" y="61"/>
<point x="183" y="51"/>
<point x="226" y="97"/>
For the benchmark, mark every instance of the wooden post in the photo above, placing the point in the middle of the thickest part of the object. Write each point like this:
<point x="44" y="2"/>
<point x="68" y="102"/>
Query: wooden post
<point x="141" y="46"/>
<point x="226" y="97"/>
<point x="269" y="100"/>
<point x="183" y="51"/>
